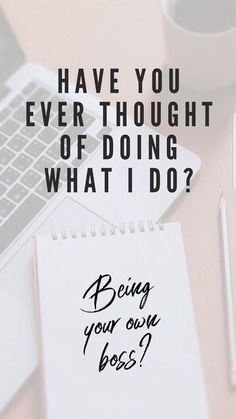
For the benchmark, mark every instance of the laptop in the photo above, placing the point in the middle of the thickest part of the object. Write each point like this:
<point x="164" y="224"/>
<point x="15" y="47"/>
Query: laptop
<point x="24" y="201"/>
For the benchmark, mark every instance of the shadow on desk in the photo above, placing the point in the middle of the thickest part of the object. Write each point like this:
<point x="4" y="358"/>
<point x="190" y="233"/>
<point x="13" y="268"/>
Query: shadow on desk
<point x="26" y="404"/>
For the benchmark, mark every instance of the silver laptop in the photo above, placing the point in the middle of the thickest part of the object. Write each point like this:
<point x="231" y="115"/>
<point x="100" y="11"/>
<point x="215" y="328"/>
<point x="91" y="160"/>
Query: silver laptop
<point x="26" y="151"/>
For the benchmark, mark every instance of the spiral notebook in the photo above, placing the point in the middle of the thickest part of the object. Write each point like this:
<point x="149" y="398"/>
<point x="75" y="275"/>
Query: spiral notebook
<point x="117" y="332"/>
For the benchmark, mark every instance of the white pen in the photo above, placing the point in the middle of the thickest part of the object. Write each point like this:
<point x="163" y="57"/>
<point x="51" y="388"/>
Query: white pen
<point x="228" y="291"/>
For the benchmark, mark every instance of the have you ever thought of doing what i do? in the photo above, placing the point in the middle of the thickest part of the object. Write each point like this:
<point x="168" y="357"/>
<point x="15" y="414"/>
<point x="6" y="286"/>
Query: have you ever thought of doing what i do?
<point x="73" y="113"/>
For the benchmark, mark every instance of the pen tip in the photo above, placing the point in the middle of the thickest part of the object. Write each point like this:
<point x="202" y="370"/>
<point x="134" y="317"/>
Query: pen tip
<point x="222" y="200"/>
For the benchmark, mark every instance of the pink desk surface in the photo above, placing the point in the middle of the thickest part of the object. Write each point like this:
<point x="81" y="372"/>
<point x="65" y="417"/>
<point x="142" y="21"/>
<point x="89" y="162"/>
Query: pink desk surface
<point x="126" y="34"/>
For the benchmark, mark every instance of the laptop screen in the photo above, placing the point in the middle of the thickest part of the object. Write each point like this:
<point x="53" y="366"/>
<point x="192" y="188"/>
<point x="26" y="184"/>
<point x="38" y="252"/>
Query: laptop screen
<point x="11" y="55"/>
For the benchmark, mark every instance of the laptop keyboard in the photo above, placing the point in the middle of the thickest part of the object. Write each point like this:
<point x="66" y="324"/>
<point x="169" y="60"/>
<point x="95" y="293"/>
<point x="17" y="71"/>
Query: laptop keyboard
<point x="24" y="154"/>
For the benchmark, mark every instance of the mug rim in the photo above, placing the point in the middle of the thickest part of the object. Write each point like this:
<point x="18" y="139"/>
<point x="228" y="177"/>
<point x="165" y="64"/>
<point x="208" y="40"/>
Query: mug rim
<point x="195" y="33"/>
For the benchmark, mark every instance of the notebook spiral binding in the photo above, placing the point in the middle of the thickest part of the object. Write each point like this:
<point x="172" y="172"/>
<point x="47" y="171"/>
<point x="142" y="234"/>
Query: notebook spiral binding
<point x="104" y="230"/>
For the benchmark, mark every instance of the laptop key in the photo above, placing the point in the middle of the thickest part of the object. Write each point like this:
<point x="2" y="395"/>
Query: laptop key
<point x="90" y="144"/>
<point x="54" y="124"/>
<point x="29" y="88"/>
<point x="35" y="148"/>
<point x="40" y="95"/>
<point x="17" y="142"/>
<point x="19" y="220"/>
<point x="9" y="127"/>
<point x="2" y="189"/>
<point x="22" y="162"/>
<point x="6" y="156"/>
<point x="68" y="118"/>
<point x="6" y="207"/>
<point x="104" y="131"/>
<point x="4" y="114"/>
<point x="47" y="135"/>
<point x="87" y="119"/>
<point x="42" y="190"/>
<point x="63" y="173"/>
<point x="16" y="101"/>
<point x="9" y="176"/>
<point x="73" y="132"/>
<point x="20" y="115"/>
<point x="54" y="151"/>
<point x="17" y="193"/>
<point x="55" y="100"/>
<point x="42" y="163"/>
<point x="37" y="117"/>
<point x="3" y="139"/>
<point x="30" y="132"/>
<point x="78" y="162"/>
<point x="31" y="178"/>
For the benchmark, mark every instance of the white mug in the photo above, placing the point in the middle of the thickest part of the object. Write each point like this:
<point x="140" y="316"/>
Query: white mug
<point x="207" y="61"/>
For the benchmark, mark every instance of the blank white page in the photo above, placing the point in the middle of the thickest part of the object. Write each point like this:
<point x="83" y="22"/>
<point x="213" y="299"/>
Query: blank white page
<point x="153" y="371"/>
